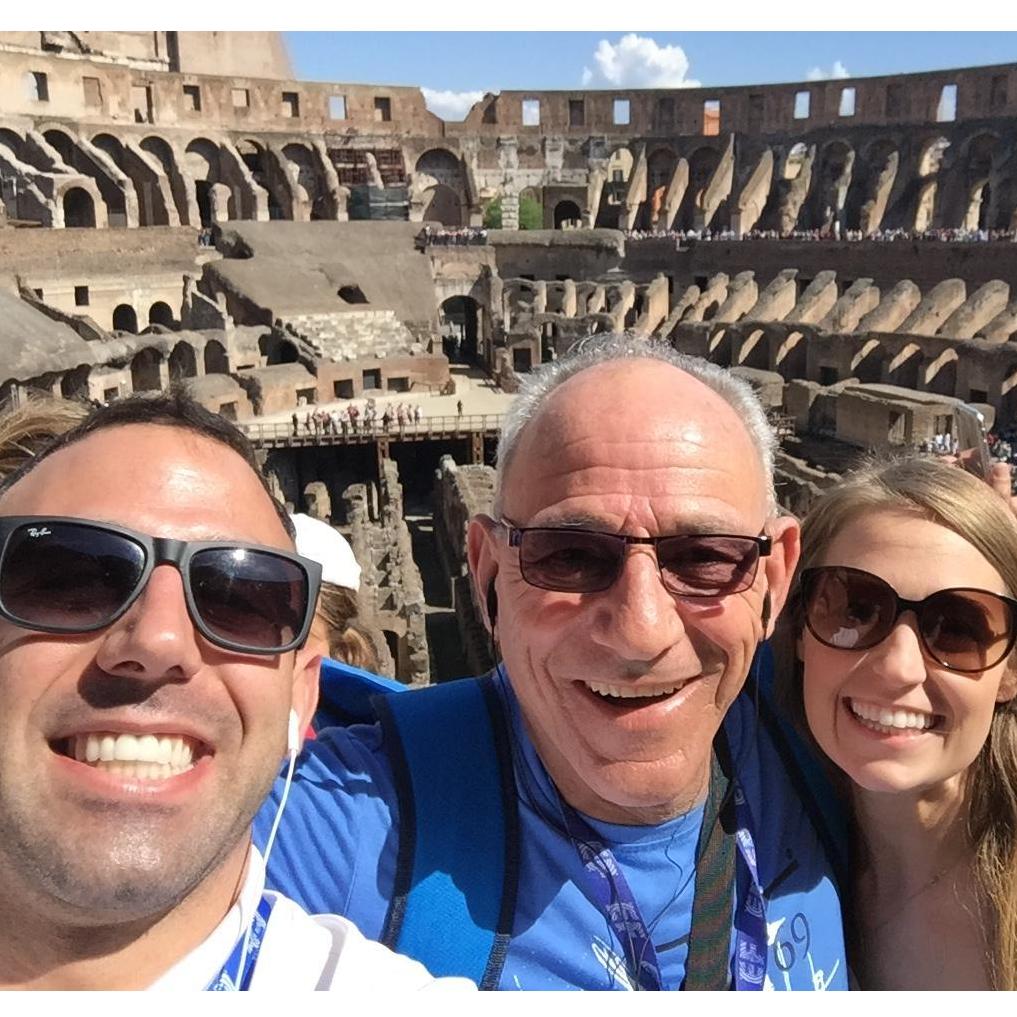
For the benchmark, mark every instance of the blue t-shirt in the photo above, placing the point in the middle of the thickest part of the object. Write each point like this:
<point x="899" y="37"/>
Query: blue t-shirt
<point x="337" y="844"/>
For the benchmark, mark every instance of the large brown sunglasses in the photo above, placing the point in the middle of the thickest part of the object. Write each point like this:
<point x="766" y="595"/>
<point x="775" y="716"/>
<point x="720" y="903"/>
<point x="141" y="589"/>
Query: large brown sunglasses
<point x="961" y="629"/>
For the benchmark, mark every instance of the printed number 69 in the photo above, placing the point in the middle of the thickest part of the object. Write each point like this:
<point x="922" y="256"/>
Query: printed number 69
<point x="784" y="952"/>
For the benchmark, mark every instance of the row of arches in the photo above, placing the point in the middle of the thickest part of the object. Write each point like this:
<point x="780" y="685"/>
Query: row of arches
<point x="149" y="181"/>
<point x="125" y="317"/>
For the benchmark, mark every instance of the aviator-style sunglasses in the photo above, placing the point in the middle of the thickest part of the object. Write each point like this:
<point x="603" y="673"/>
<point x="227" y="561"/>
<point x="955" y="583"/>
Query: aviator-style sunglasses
<point x="573" y="560"/>
<point x="75" y="575"/>
<point x="961" y="629"/>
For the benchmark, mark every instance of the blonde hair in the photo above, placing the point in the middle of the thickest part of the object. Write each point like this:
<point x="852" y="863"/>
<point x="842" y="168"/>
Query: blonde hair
<point x="338" y="608"/>
<point x="25" y="429"/>
<point x="952" y="498"/>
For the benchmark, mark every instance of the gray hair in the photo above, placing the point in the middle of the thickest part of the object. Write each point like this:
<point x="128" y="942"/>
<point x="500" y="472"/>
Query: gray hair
<point x="608" y="347"/>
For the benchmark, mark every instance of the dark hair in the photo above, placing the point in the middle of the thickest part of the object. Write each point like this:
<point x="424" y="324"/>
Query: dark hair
<point x="172" y="408"/>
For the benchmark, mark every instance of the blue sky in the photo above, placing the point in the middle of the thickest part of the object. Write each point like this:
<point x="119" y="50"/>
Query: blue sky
<point x="466" y="64"/>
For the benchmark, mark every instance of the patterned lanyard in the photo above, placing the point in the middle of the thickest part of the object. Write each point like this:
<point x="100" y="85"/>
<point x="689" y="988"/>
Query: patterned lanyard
<point x="610" y="890"/>
<point x="241" y="962"/>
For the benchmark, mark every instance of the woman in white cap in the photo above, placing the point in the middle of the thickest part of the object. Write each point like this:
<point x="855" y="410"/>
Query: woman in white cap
<point x="335" y="626"/>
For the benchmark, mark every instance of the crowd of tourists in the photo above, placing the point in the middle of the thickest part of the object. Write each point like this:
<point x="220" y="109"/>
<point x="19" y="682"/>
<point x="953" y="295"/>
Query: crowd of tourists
<point x="464" y="236"/>
<point x="957" y="235"/>
<point x="353" y="419"/>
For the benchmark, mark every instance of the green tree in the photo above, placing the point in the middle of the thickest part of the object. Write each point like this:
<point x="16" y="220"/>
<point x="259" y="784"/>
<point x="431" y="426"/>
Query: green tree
<point x="531" y="214"/>
<point x="492" y="215"/>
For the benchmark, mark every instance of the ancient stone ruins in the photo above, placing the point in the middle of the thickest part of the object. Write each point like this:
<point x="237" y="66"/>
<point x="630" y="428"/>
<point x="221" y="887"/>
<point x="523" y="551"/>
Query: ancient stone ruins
<point x="173" y="205"/>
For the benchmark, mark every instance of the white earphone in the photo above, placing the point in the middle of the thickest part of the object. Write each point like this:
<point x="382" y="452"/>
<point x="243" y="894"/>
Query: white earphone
<point x="293" y="734"/>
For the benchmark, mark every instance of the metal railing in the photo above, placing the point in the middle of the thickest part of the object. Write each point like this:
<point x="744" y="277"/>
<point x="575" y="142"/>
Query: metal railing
<point x="451" y="426"/>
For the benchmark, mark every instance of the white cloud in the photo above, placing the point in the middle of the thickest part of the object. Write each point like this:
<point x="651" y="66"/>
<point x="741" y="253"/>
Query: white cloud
<point x="450" y="105"/>
<point x="837" y="71"/>
<point x="636" y="61"/>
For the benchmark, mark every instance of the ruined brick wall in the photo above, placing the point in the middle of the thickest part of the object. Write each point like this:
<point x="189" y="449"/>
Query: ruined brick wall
<point x="461" y="492"/>
<point x="391" y="591"/>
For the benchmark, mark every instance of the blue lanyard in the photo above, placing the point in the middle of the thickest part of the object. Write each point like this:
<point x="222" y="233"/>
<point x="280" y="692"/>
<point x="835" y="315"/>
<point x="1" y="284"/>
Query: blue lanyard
<point x="750" y="915"/>
<point x="610" y="890"/>
<point x="242" y="960"/>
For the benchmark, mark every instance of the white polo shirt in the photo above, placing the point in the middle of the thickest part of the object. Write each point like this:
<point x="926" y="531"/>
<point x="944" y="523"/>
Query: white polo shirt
<point x="300" y="951"/>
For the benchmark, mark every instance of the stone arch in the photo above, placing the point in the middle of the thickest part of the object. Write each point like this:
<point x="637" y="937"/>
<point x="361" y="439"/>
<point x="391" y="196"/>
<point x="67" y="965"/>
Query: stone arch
<point x="868" y="198"/>
<point x="146" y="373"/>
<point x="978" y="153"/>
<point x="164" y="154"/>
<point x="442" y="165"/>
<point x="790" y="359"/>
<point x="150" y="198"/>
<point x="125" y="319"/>
<point x="255" y="157"/>
<point x="931" y="157"/>
<point x="567" y="213"/>
<point x="1006" y="204"/>
<point x="276" y="350"/>
<point x="74" y="383"/>
<point x="755" y="351"/>
<point x="303" y="158"/>
<point x="74" y="157"/>
<point x="702" y="165"/>
<point x="160" y="313"/>
<point x="216" y="361"/>
<point x="79" y="208"/>
<point x="831" y="184"/>
<point x="14" y="142"/>
<point x="64" y="145"/>
<point x="617" y="170"/>
<point x="903" y="369"/>
<point x="203" y="159"/>
<point x="183" y="362"/>
<point x="660" y="167"/>
<point x="721" y="349"/>
<point x="941" y="373"/>
<point x="443" y="204"/>
<point x="204" y="164"/>
<point x="1008" y="396"/>
<point x="794" y="160"/>
<point x="464" y="317"/>
<point x="926" y="207"/>
<point x="868" y="362"/>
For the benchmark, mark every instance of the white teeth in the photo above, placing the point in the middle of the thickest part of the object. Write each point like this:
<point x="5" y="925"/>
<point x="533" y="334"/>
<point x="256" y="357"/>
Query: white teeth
<point x="630" y="692"/>
<point x="148" y="757"/>
<point x="895" y="720"/>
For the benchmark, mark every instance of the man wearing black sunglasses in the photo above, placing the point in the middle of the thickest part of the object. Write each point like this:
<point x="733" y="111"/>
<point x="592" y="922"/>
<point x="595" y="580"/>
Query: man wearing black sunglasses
<point x="650" y="835"/>
<point x="152" y="617"/>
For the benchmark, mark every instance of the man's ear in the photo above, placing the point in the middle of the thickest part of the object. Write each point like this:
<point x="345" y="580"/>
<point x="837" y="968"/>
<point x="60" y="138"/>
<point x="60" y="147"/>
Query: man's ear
<point x="785" y="536"/>
<point x="306" y="682"/>
<point x="482" y="554"/>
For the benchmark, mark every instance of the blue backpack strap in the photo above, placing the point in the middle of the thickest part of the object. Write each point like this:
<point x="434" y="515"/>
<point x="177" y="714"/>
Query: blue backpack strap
<point x="345" y="693"/>
<point x="821" y="799"/>
<point x="457" y="873"/>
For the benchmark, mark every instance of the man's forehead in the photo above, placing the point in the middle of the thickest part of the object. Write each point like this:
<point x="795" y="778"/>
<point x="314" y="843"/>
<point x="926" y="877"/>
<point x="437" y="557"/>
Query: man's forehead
<point x="644" y="439"/>
<point x="139" y="473"/>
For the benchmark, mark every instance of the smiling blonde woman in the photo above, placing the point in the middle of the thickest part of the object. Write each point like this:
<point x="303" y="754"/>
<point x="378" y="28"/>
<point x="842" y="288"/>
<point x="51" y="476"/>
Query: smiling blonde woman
<point x="900" y="636"/>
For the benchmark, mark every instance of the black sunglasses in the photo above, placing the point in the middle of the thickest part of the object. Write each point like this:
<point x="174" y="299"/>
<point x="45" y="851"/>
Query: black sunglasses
<point x="961" y="629"/>
<point x="573" y="560"/>
<point x="74" y="575"/>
